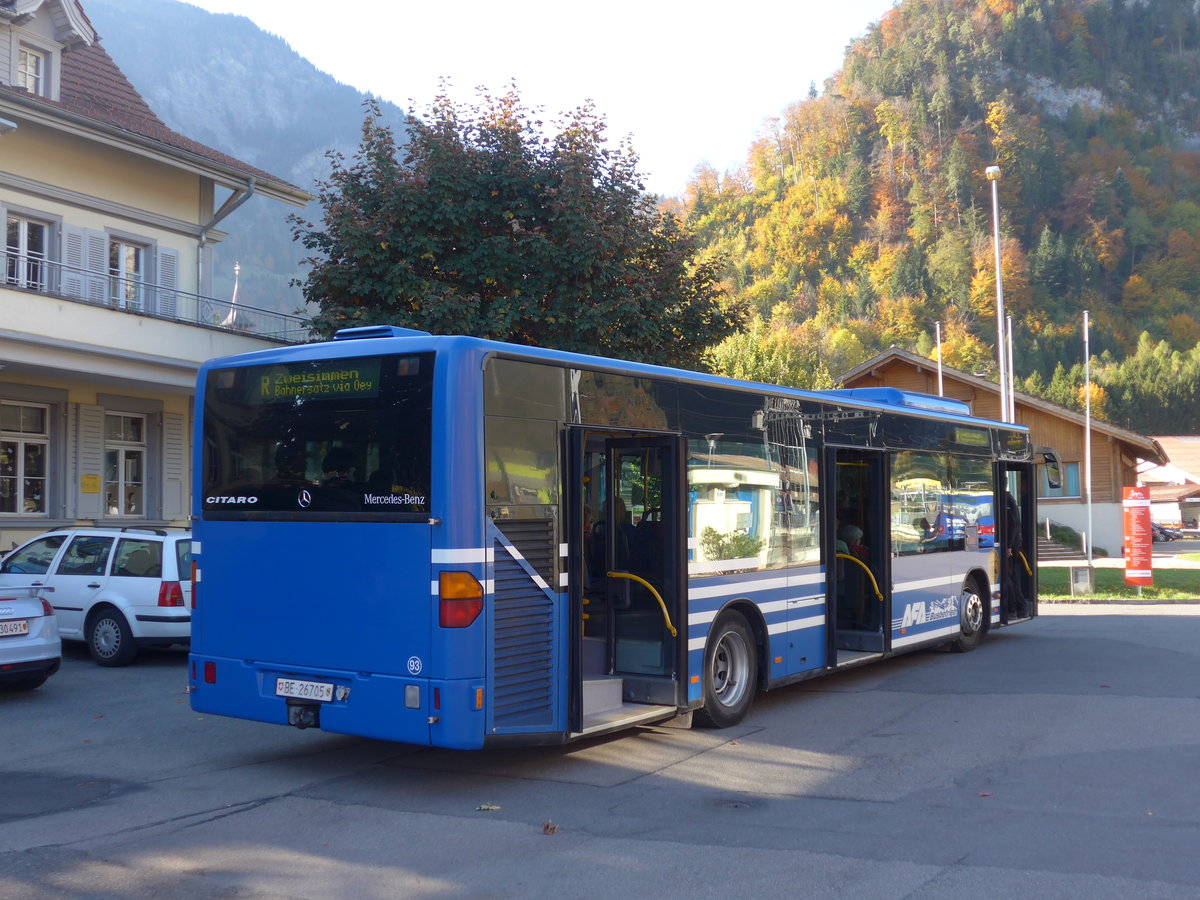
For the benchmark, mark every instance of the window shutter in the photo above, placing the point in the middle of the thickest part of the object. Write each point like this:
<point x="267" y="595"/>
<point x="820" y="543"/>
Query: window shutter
<point x="85" y="263"/>
<point x="174" y="505"/>
<point x="72" y="273"/>
<point x="95" y="261"/>
<point x="89" y="455"/>
<point x="168" y="281"/>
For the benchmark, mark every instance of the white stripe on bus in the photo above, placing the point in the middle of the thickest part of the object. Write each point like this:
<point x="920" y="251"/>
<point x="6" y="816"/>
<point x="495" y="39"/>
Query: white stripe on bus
<point x="906" y="586"/>
<point x="925" y="636"/>
<point x="460" y="556"/>
<point x="775" y="606"/>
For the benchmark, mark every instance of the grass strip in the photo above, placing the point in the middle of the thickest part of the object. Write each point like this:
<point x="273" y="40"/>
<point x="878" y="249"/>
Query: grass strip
<point x="1170" y="586"/>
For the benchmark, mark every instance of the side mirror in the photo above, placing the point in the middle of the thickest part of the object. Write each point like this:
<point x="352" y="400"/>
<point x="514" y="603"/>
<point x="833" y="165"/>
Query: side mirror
<point x="1053" y="470"/>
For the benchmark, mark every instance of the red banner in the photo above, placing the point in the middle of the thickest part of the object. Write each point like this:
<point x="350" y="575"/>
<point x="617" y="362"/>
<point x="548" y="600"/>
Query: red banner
<point x="1138" y="554"/>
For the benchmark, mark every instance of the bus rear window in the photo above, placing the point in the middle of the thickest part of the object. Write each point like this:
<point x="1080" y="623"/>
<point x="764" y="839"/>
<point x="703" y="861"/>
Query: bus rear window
<point x="319" y="439"/>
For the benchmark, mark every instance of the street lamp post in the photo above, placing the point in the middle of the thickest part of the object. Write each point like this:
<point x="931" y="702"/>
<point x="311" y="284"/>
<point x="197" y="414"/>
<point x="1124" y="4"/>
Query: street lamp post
<point x="993" y="175"/>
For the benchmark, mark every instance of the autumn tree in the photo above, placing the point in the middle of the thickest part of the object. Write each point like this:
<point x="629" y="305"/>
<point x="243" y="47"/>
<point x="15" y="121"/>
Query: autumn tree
<point x="774" y="351"/>
<point x="484" y="223"/>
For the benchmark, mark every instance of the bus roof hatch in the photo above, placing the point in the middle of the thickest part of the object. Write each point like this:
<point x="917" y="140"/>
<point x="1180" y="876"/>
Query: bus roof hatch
<point x="377" y="331"/>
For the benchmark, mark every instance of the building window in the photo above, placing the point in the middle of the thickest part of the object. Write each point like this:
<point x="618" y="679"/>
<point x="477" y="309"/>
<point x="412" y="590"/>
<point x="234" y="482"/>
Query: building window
<point x="126" y="271"/>
<point x="31" y="71"/>
<point x="124" y="464"/>
<point x="1069" y="483"/>
<point x="24" y="449"/>
<point x="25" y="253"/>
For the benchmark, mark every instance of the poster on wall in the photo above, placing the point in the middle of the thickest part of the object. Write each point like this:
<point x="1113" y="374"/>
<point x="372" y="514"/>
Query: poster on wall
<point x="1138" y="565"/>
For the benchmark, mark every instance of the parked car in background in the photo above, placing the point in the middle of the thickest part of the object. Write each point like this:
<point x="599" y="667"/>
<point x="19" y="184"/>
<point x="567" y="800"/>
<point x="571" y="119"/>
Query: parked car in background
<point x="115" y="589"/>
<point x="30" y="649"/>
<point x="1163" y="533"/>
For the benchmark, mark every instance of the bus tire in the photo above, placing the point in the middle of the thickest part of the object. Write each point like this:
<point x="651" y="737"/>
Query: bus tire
<point x="730" y="675"/>
<point x="972" y="619"/>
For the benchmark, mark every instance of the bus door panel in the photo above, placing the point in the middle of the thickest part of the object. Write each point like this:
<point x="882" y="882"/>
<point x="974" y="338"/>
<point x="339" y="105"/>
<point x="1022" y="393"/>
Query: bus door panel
<point x="858" y="586"/>
<point x="642" y="577"/>
<point x="1016" y="546"/>
<point x="626" y="583"/>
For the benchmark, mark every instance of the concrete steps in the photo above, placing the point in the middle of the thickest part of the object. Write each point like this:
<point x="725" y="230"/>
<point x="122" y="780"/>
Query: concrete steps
<point x="1048" y="550"/>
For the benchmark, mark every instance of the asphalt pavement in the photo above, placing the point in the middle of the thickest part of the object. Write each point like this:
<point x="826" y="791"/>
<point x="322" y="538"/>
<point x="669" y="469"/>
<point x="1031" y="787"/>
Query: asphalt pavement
<point x="1058" y="760"/>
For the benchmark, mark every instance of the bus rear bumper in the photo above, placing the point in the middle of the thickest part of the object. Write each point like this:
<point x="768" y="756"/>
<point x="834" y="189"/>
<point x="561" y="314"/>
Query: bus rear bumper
<point x="386" y="707"/>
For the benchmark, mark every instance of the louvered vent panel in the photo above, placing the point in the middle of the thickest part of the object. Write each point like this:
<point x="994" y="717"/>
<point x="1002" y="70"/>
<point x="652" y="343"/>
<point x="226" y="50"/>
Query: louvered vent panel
<point x="535" y="539"/>
<point x="523" y="687"/>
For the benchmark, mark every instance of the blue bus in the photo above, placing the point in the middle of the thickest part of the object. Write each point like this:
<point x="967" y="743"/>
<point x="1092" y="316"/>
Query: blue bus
<point x="463" y="543"/>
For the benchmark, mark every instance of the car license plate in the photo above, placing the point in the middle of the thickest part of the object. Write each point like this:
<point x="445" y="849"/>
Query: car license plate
<point x="13" y="627"/>
<point x="303" y="690"/>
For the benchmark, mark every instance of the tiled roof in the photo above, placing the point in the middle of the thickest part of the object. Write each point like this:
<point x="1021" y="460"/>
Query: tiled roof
<point x="93" y="86"/>
<point x="1172" y="493"/>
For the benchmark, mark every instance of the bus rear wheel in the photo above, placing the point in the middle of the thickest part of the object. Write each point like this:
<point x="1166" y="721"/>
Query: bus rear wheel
<point x="972" y="620"/>
<point x="730" y="672"/>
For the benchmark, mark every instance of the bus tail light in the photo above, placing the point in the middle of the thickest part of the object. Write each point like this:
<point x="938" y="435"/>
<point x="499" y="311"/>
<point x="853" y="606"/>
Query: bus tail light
<point x="195" y="582"/>
<point x="460" y="598"/>
<point x="170" y="593"/>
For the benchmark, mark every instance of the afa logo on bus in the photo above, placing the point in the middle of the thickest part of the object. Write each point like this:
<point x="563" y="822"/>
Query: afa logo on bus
<point x="920" y="612"/>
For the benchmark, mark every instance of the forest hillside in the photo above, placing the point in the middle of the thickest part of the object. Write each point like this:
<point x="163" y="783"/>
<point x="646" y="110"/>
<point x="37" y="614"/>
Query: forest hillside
<point x="862" y="217"/>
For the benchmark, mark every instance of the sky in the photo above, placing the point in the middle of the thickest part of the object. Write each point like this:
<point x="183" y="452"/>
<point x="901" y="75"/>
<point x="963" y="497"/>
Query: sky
<point x="688" y="82"/>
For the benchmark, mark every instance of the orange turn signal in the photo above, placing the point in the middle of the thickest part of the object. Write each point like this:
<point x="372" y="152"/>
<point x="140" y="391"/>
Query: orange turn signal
<point x="460" y="598"/>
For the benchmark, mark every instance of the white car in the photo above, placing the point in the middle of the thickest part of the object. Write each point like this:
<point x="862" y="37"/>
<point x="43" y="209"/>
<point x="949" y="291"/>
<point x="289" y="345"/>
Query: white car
<point x="115" y="589"/>
<point x="30" y="649"/>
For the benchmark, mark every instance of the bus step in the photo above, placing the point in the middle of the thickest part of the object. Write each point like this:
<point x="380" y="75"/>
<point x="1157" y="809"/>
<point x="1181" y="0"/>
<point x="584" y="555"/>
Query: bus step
<point x="601" y="694"/>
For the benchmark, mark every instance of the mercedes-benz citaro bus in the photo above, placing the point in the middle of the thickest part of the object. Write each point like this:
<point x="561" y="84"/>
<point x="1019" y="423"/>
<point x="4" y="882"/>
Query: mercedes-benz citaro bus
<point x="463" y="543"/>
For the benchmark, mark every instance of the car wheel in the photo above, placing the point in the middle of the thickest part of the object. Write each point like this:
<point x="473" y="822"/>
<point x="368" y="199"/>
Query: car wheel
<point x="110" y="641"/>
<point x="730" y="672"/>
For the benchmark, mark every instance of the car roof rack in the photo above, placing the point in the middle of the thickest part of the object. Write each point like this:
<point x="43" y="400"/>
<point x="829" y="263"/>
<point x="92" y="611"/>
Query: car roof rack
<point x="159" y="530"/>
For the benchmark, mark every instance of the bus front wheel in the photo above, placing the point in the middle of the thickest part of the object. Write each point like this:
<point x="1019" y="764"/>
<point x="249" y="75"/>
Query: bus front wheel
<point x="972" y="619"/>
<point x="730" y="672"/>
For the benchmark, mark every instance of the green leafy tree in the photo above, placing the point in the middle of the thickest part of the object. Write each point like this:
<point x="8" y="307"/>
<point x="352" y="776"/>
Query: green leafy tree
<point x="484" y="224"/>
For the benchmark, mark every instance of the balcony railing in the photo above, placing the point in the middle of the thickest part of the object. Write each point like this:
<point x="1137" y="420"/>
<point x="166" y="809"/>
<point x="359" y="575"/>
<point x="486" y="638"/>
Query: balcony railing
<point x="57" y="279"/>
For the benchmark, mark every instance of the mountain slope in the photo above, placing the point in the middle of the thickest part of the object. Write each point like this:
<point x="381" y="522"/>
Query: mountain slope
<point x="222" y="80"/>
<point x="865" y="218"/>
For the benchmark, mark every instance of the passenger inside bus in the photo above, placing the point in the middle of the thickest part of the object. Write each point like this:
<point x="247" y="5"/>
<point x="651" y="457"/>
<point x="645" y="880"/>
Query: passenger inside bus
<point x="337" y="468"/>
<point x="854" y="606"/>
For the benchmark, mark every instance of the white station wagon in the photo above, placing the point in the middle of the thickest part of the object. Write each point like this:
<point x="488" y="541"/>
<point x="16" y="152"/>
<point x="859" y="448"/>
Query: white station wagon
<point x="116" y="589"/>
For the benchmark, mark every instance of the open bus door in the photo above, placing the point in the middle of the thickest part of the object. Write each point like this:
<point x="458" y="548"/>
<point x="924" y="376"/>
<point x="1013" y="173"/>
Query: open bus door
<point x="858" y="601"/>
<point x="1016" y="524"/>
<point x="629" y="629"/>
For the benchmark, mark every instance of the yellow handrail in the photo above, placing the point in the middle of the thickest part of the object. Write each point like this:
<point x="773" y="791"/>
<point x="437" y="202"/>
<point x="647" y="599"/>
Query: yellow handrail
<point x="1025" y="563"/>
<point x="867" y="569"/>
<point x="648" y="586"/>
